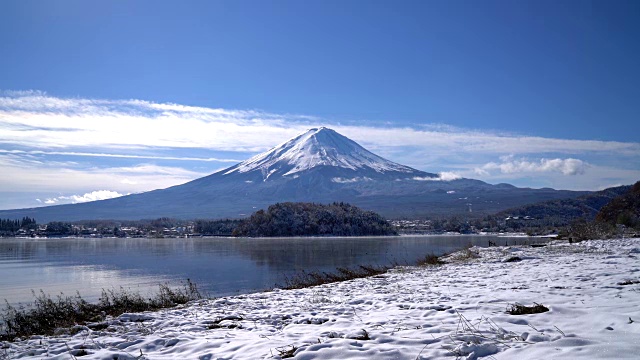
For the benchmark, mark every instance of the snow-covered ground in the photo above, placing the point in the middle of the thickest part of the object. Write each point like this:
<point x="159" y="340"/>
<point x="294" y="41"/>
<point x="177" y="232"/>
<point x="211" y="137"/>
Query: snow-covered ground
<point x="452" y="311"/>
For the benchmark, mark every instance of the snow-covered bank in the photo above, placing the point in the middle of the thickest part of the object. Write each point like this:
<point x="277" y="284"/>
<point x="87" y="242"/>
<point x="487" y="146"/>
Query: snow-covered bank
<point x="456" y="310"/>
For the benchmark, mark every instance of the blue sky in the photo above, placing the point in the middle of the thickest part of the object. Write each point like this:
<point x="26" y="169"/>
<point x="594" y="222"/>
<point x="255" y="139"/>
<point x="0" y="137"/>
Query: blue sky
<point x="107" y="98"/>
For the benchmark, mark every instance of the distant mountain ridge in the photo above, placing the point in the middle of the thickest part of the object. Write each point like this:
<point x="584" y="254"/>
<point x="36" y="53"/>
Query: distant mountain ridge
<point x="319" y="165"/>
<point x="562" y="211"/>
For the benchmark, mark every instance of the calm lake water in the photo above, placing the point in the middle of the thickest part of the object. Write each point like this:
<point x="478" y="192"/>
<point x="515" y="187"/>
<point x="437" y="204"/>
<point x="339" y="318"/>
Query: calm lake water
<point x="219" y="266"/>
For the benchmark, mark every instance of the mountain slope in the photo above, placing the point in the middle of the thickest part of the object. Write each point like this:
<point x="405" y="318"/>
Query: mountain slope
<point x="624" y="209"/>
<point x="320" y="147"/>
<point x="319" y="165"/>
<point x="563" y="211"/>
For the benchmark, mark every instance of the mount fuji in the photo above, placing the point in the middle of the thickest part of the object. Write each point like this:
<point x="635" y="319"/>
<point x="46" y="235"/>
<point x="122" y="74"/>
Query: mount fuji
<point x="325" y="150"/>
<point x="319" y="165"/>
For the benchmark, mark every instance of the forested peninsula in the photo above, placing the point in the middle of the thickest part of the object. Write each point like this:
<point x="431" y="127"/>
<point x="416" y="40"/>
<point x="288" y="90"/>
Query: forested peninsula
<point x="309" y="219"/>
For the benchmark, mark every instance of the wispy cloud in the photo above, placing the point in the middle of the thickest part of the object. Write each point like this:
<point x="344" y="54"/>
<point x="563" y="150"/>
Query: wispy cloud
<point x="119" y="156"/>
<point x="443" y="176"/>
<point x="75" y="199"/>
<point x="76" y="145"/>
<point x="48" y="122"/>
<point x="32" y="175"/>
<point x="509" y="165"/>
<point x="350" y="180"/>
<point x="442" y="142"/>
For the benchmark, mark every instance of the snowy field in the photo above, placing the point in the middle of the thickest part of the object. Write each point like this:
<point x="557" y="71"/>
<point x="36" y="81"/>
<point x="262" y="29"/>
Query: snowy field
<point x="457" y="310"/>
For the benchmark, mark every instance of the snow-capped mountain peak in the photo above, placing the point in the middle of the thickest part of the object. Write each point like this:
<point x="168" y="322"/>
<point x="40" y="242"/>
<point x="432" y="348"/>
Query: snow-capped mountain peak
<point x="317" y="147"/>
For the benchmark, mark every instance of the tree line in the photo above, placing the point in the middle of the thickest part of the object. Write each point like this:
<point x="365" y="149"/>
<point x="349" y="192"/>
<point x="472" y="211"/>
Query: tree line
<point x="608" y="213"/>
<point x="11" y="227"/>
<point x="309" y="219"/>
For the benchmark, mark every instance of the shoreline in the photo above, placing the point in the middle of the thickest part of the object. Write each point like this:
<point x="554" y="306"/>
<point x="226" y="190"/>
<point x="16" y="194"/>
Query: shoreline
<point x="287" y="237"/>
<point x="454" y="310"/>
<point x="261" y="263"/>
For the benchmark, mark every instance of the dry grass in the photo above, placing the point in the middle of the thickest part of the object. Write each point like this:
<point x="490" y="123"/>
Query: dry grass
<point x="306" y="279"/>
<point x="46" y="314"/>
<point x="467" y="254"/>
<point x="287" y="351"/>
<point x="429" y="260"/>
<point x="482" y="332"/>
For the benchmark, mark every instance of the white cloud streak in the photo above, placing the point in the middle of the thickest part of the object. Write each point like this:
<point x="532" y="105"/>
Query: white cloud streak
<point x="35" y="126"/>
<point x="75" y="199"/>
<point x="468" y="141"/>
<point x="65" y="178"/>
<point x="119" y="156"/>
<point x="509" y="165"/>
<point x="448" y="176"/>
<point x="443" y="176"/>
<point x="48" y="122"/>
<point x="349" y="180"/>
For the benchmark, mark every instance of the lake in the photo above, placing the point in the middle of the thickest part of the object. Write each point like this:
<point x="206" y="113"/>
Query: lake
<point x="219" y="266"/>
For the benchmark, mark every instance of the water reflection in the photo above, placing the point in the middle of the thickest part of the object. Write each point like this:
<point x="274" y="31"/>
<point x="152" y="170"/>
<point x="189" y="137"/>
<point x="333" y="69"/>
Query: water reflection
<point x="220" y="266"/>
<point x="311" y="253"/>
